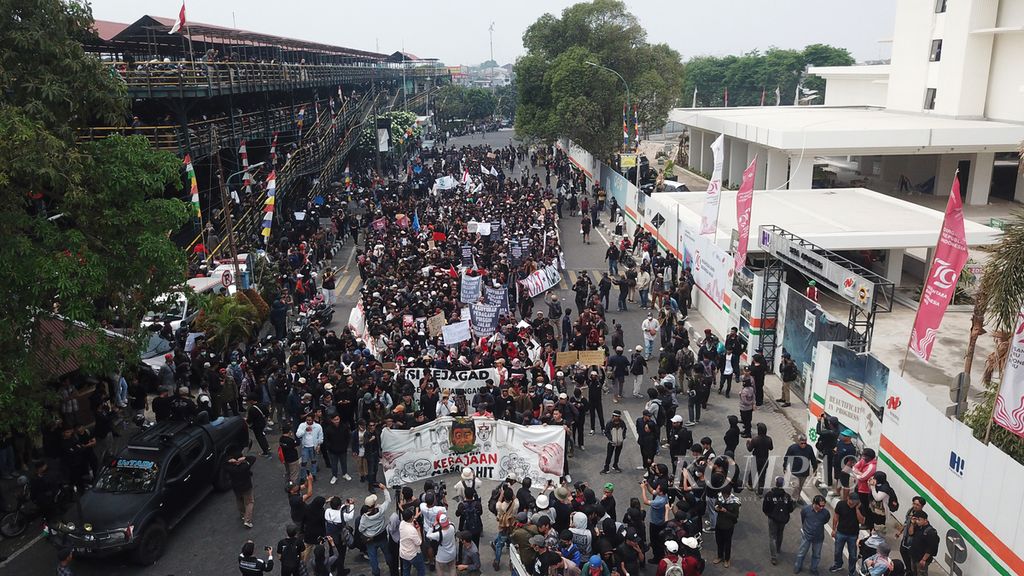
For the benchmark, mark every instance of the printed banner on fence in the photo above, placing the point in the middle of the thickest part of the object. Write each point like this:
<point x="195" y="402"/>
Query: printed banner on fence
<point x="541" y="280"/>
<point x="713" y="200"/>
<point x="485" y="319"/>
<point x="469" y="380"/>
<point x="455" y="333"/>
<point x="1010" y="402"/>
<point x="492" y="448"/>
<point x="711" y="265"/>
<point x="470" y="289"/>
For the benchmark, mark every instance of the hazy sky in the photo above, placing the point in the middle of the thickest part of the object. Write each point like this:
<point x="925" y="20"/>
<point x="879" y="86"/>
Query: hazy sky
<point x="455" y="31"/>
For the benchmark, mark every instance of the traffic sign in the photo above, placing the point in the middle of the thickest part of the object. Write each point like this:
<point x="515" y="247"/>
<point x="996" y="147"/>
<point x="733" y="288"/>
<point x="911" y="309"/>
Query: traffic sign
<point x="226" y="279"/>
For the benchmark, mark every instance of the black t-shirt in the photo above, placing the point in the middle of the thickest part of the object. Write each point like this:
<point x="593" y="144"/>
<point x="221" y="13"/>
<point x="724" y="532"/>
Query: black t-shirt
<point x="625" y="554"/>
<point x="241" y="474"/>
<point x="162" y="408"/>
<point x="562" y="513"/>
<point x="289" y="551"/>
<point x="847" y="519"/>
<point x="290" y="448"/>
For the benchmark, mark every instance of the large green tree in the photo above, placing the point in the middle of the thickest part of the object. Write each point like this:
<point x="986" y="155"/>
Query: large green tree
<point x="559" y="94"/>
<point x="454" y="101"/>
<point x="87" y="225"/>
<point x="752" y="74"/>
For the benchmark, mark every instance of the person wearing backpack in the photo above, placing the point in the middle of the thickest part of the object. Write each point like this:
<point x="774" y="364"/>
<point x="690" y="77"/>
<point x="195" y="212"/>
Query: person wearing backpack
<point x="289" y="551"/>
<point x="778" y="506"/>
<point x="925" y="544"/>
<point x="672" y="563"/>
<point x="637" y="367"/>
<point x="470" y="513"/>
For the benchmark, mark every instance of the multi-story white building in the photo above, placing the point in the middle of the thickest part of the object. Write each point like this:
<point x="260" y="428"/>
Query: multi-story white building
<point x="951" y="99"/>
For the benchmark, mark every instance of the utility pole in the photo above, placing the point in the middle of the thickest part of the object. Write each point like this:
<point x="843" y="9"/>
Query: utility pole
<point x="376" y="138"/>
<point x="226" y="208"/>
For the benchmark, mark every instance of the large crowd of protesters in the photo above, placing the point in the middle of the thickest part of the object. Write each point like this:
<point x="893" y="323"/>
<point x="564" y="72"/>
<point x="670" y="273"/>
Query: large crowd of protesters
<point x="331" y="392"/>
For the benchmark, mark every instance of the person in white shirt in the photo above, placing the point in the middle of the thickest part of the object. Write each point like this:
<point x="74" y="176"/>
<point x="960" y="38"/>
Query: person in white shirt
<point x="650" y="328"/>
<point x="447" y="545"/>
<point x="310" y="436"/>
<point x="445" y="405"/>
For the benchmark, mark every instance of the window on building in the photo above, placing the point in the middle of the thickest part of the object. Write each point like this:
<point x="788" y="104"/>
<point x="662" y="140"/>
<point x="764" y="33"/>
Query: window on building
<point x="940" y="6"/>
<point x="929" y="99"/>
<point x="936" y="53"/>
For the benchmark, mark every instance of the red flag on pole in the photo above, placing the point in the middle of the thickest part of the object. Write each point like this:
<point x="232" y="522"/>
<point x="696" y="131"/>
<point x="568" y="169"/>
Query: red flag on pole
<point x="180" y="22"/>
<point x="949" y="260"/>
<point x="744" y="202"/>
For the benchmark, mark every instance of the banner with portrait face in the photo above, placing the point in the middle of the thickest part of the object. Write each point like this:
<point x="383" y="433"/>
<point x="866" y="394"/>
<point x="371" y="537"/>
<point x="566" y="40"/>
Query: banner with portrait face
<point x="492" y="448"/>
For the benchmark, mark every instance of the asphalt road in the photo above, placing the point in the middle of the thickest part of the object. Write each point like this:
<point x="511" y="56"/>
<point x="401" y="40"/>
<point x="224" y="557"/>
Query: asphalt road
<point x="208" y="541"/>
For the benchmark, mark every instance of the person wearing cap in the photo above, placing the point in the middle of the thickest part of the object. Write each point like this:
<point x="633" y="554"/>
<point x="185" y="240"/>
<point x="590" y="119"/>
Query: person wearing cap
<point x="680" y="438"/>
<point x="337" y="439"/>
<point x="183" y="408"/>
<point x="594" y="566"/>
<point x="615" y="432"/>
<point x="444" y="534"/>
<point x="671" y="559"/>
<point x="162" y="409"/>
<point x="619" y="366"/>
<point x="607" y="501"/>
<point x="811" y="291"/>
<point x="467" y="479"/>
<point x="801" y="462"/>
<point x="372" y="526"/>
<point x="845" y="456"/>
<point x="522" y="536"/>
<point x="595" y="395"/>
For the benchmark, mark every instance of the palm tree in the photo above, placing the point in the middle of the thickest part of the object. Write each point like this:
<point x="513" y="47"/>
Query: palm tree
<point x="229" y="322"/>
<point x="998" y="299"/>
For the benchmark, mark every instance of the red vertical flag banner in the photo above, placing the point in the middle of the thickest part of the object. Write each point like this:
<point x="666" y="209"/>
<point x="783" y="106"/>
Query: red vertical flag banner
<point x="744" y="202"/>
<point x="950" y="257"/>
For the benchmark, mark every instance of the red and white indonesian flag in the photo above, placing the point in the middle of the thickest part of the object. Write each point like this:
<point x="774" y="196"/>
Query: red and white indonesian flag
<point x="950" y="257"/>
<point x="180" y="22"/>
<point x="1009" y="411"/>
<point x="744" y="202"/>
<point x="709" y="219"/>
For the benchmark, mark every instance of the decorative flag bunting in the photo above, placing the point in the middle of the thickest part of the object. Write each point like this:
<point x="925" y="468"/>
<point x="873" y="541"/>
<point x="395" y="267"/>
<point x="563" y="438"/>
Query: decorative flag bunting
<point x="180" y="22"/>
<point x="273" y="151"/>
<point x="625" y="130"/>
<point x="744" y="202"/>
<point x="1009" y="411"/>
<point x="268" y="205"/>
<point x="726" y="96"/>
<point x="348" y="178"/>
<point x="193" y="186"/>
<point x="950" y="257"/>
<point x="246" y="177"/>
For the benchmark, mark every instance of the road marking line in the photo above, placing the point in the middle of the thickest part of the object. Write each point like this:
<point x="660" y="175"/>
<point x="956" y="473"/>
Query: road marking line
<point x="354" y="285"/>
<point x="18" y="552"/>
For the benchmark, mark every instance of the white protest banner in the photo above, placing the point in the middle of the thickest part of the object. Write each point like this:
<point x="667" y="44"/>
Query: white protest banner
<point x="468" y="380"/>
<point x="446" y="183"/>
<point x="470" y="289"/>
<point x="709" y="219"/>
<point x="541" y="280"/>
<point x="492" y="448"/>
<point x="483" y="228"/>
<point x="455" y="333"/>
<point x="434" y="324"/>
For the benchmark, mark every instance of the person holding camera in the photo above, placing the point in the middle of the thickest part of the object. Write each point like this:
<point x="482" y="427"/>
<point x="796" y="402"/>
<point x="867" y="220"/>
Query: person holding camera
<point x="443" y="533"/>
<point x="372" y="528"/>
<point x="409" y="543"/>
<point x="250" y="565"/>
<point x="655" y="497"/>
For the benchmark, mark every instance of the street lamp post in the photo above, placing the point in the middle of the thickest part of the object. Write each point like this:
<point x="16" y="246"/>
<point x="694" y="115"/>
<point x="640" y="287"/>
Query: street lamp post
<point x="637" y="161"/>
<point x="596" y="65"/>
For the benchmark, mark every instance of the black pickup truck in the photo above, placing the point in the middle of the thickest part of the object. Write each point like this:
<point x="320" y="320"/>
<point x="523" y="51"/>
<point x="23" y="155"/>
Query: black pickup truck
<point x="165" y="471"/>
